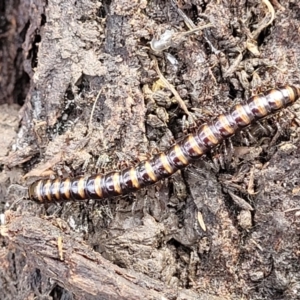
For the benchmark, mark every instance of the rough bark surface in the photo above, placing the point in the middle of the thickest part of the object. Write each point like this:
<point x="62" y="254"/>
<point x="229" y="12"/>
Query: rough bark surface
<point x="93" y="100"/>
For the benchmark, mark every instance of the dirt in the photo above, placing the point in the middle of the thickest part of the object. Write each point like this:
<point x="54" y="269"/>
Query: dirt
<point x="104" y="84"/>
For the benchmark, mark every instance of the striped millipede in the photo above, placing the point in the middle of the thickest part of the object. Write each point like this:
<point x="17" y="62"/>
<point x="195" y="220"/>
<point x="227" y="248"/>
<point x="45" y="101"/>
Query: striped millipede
<point x="163" y="165"/>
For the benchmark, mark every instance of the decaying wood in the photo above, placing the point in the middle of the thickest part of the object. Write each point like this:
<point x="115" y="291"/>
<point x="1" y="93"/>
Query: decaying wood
<point x="51" y="247"/>
<point x="95" y="102"/>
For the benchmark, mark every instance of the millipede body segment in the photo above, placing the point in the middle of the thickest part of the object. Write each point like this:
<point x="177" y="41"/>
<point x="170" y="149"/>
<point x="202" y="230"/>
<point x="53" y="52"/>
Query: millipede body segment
<point x="163" y="165"/>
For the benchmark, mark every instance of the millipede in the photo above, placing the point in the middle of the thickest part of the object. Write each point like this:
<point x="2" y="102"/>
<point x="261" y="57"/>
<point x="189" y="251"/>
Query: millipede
<point x="191" y="147"/>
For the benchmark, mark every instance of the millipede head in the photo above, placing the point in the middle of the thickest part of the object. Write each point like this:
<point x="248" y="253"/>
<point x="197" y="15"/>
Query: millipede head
<point x="34" y="192"/>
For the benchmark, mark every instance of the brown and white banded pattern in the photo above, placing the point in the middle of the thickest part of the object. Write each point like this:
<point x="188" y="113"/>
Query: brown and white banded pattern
<point x="163" y="165"/>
